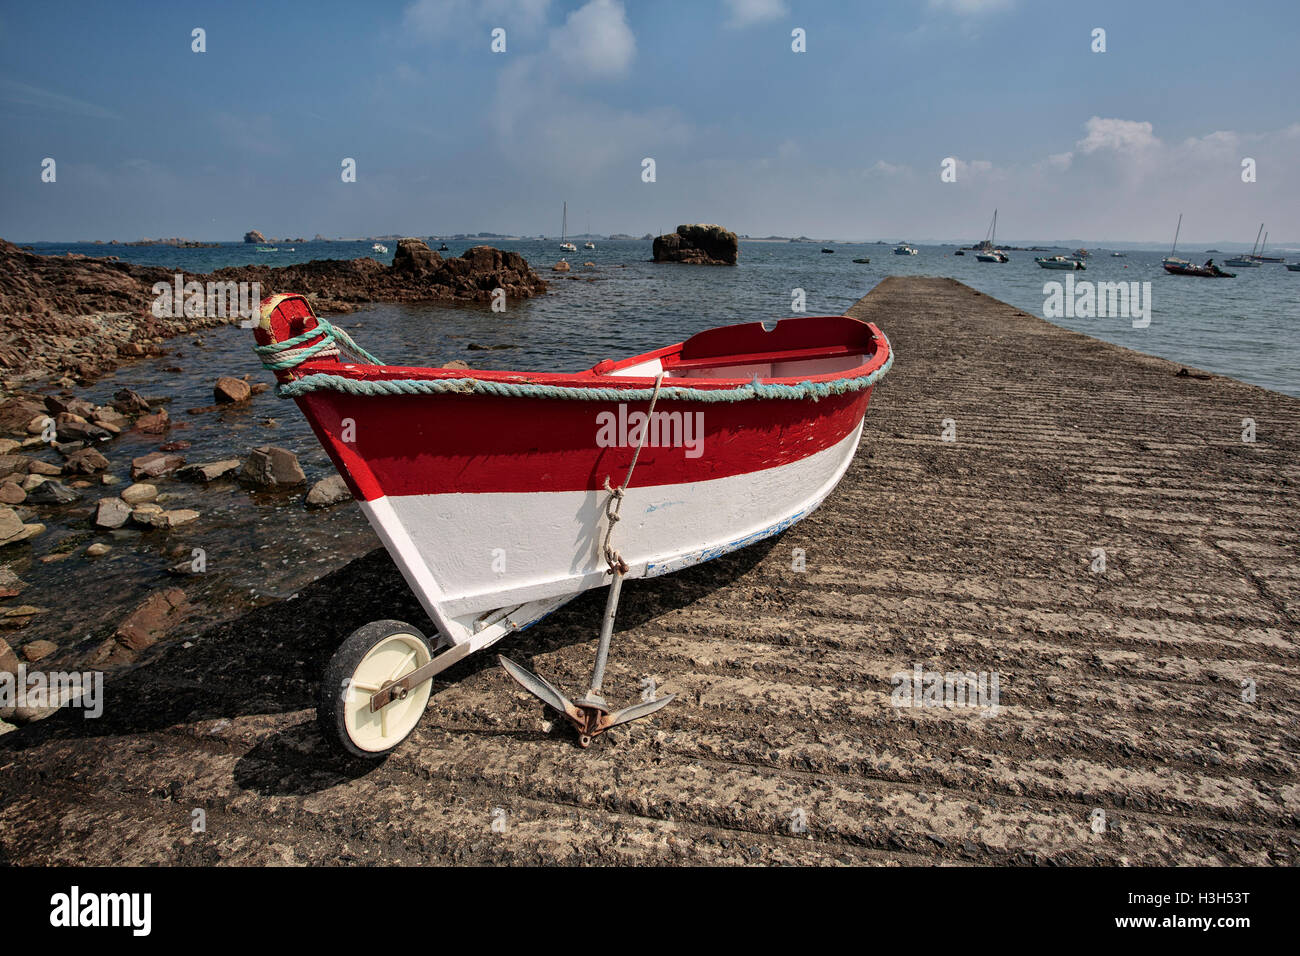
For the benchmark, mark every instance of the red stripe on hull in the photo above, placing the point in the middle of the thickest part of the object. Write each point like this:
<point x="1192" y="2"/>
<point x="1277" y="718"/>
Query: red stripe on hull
<point x="436" y="444"/>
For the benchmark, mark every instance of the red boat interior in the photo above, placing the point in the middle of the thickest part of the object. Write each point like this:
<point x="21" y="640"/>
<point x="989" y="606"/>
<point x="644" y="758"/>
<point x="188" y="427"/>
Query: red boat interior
<point x="803" y="348"/>
<point x="808" y="346"/>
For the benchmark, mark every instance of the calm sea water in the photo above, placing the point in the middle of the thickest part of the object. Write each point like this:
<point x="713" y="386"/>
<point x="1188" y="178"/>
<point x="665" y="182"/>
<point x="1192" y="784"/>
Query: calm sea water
<point x="262" y="547"/>
<point x="1244" y="327"/>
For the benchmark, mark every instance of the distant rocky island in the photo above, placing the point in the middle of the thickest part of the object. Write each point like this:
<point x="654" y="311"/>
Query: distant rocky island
<point x="698" y="244"/>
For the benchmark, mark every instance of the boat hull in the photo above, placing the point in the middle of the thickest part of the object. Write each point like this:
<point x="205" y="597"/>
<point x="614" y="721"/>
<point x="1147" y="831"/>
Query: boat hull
<point x="491" y="489"/>
<point x="1200" y="272"/>
<point x="520" y="555"/>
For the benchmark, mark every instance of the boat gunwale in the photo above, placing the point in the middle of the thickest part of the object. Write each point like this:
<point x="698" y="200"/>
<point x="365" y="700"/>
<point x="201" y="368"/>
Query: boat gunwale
<point x="599" y="376"/>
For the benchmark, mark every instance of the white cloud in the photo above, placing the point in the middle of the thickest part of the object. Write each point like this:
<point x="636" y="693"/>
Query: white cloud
<point x="746" y="12"/>
<point x="595" y="41"/>
<point x="1060" y="161"/>
<point x="1118" y="135"/>
<point x="547" y="114"/>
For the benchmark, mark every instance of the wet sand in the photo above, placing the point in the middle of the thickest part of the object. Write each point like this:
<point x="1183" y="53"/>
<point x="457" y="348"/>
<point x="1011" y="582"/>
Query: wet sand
<point x="1120" y="690"/>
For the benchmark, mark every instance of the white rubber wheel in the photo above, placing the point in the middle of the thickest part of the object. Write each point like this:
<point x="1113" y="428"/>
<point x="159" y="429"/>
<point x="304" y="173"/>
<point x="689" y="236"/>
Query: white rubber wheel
<point x="371" y="657"/>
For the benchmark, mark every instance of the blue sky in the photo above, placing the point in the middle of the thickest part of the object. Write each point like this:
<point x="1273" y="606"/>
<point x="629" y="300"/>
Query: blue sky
<point x="842" y="141"/>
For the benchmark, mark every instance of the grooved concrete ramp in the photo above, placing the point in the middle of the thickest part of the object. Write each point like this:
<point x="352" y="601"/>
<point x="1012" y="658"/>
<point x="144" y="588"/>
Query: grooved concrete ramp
<point x="1120" y="691"/>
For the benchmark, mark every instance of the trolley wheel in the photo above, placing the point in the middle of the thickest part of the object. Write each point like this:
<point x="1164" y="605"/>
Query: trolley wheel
<point x="372" y="656"/>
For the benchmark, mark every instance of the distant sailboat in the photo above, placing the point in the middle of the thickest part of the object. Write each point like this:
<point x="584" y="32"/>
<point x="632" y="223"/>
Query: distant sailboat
<point x="1250" y="261"/>
<point x="1171" y="259"/>
<point x="1181" y="267"/>
<point x="564" y="232"/>
<point x="1263" y="258"/>
<point x="987" y="250"/>
<point x="589" y="244"/>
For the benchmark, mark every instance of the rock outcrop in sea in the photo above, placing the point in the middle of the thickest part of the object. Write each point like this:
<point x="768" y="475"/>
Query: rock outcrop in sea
<point x="254" y="236"/>
<point x="698" y="244"/>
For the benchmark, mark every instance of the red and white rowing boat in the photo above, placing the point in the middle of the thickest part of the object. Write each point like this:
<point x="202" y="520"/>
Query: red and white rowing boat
<point x="497" y="493"/>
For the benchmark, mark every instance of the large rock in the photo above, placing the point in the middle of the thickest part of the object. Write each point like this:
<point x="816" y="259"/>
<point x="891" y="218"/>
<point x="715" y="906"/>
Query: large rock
<point x="154" y="465"/>
<point x="414" y="257"/>
<point x="145" y="626"/>
<point x="328" y="491"/>
<point x="153" y="516"/>
<point x="271" y="467"/>
<point x="698" y="244"/>
<point x="231" y="391"/>
<point x="154" y="424"/>
<point x="139" y="493"/>
<point x="52" y="492"/>
<point x="129" y="402"/>
<point x="12" y="529"/>
<point x="73" y="430"/>
<point x="14" y="465"/>
<point x="254" y="236"/>
<point x="58" y="404"/>
<point x="111" y="513"/>
<point x="87" y="461"/>
<point x="15" y="413"/>
<point x="209" y="472"/>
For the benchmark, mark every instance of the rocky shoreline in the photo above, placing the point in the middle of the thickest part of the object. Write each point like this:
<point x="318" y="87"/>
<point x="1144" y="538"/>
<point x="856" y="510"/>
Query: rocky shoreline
<point x="81" y="479"/>
<point x="698" y="244"/>
<point x="73" y="318"/>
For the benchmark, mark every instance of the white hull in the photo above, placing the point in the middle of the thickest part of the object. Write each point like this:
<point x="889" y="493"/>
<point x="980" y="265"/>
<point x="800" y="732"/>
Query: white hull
<point x="486" y="565"/>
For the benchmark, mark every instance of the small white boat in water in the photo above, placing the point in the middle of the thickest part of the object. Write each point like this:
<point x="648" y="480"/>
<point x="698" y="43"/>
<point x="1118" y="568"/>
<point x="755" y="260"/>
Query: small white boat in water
<point x="1059" y="262"/>
<point x="903" y="249"/>
<point x="589" y="245"/>
<point x="379" y="247"/>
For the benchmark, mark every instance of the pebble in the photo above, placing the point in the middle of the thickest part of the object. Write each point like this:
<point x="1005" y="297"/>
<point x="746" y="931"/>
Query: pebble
<point x="155" y="464"/>
<point x="139" y="493"/>
<point x="99" y="549"/>
<point x="13" y="530"/>
<point x="38" y="650"/>
<point x="154" y="424"/>
<point x="51" y="492"/>
<point x="328" y="491"/>
<point x="87" y="461"/>
<point x="230" y="391"/>
<point x="273" y="467"/>
<point x="111" y="513"/>
<point x="210" y="471"/>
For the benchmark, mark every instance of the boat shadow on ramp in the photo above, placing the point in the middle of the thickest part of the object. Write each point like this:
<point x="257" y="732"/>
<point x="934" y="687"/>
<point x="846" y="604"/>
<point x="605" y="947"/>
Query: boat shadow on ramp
<point x="257" y="675"/>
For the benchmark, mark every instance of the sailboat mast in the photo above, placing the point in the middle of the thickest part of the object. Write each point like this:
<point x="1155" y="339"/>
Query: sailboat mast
<point x="1176" y="232"/>
<point x="564" y="225"/>
<point x="1255" y="248"/>
<point x="995" y="227"/>
<point x="1261" y="248"/>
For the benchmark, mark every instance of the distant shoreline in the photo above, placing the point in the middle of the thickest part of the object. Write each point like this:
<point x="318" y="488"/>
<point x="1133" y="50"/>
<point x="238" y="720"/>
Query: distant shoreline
<point x="1289" y="249"/>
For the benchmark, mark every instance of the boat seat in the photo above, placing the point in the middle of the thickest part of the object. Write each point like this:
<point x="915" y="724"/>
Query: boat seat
<point x="673" y="363"/>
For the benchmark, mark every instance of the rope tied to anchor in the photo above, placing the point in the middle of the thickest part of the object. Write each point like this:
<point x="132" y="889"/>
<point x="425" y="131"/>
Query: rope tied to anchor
<point x="614" y="504"/>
